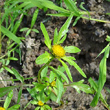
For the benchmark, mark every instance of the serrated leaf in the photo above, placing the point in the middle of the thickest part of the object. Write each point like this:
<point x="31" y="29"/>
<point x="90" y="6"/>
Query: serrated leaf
<point x="46" y="36"/>
<point x="67" y="70"/>
<point x="71" y="62"/>
<point x="60" y="89"/>
<point x="44" y="58"/>
<point x="71" y="49"/>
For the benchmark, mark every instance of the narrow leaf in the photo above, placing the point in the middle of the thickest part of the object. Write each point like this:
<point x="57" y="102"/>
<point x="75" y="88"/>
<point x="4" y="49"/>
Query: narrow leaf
<point x="67" y="70"/>
<point x="60" y="89"/>
<point x="10" y="35"/>
<point x="47" y="39"/>
<point x="64" y="28"/>
<point x="55" y="36"/>
<point x="8" y="69"/>
<point x="71" y="62"/>
<point x="19" y="94"/>
<point x="8" y="99"/>
<point x="59" y="73"/>
<point x="102" y="78"/>
<point x="34" y="17"/>
<point x="24" y="29"/>
<point x="18" y="76"/>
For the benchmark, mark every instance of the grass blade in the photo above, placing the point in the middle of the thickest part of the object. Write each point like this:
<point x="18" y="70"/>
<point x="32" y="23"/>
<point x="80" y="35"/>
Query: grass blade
<point x="10" y="35"/>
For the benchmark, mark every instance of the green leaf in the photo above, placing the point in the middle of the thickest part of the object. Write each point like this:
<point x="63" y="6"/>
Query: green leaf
<point x="34" y="17"/>
<point x="10" y="35"/>
<point x="37" y="108"/>
<point x="59" y="73"/>
<point x="62" y="40"/>
<point x="46" y="36"/>
<point x="44" y="58"/>
<point x="103" y="50"/>
<point x="59" y="14"/>
<point x="69" y="57"/>
<point x="71" y="62"/>
<point x="94" y="85"/>
<point x="52" y="77"/>
<point x="102" y="77"/>
<point x="67" y="70"/>
<point x="34" y="102"/>
<point x="79" y="86"/>
<point x="35" y="30"/>
<point x="55" y="36"/>
<point x="72" y="6"/>
<point x="8" y="69"/>
<point x="64" y="28"/>
<point x="76" y="20"/>
<point x="71" y="49"/>
<point x="14" y="107"/>
<point x="8" y="99"/>
<point x="42" y="108"/>
<point x="13" y="58"/>
<point x="48" y="4"/>
<point x="44" y="72"/>
<point x="5" y="90"/>
<point x="19" y="94"/>
<point x="53" y="97"/>
<point x="17" y="24"/>
<point x="24" y="29"/>
<point x="47" y="107"/>
<point x="108" y="38"/>
<point x="60" y="89"/>
<point x="28" y="32"/>
<point x="18" y="76"/>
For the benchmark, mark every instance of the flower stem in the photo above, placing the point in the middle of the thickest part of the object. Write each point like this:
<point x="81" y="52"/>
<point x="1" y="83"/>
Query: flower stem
<point x="39" y="73"/>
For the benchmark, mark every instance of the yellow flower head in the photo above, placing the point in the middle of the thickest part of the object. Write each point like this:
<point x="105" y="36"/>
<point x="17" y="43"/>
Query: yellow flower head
<point x="40" y="103"/>
<point x="1" y="108"/>
<point x="53" y="83"/>
<point x="58" y="51"/>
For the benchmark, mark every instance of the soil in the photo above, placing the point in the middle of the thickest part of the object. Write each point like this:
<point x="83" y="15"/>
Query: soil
<point x="87" y="35"/>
